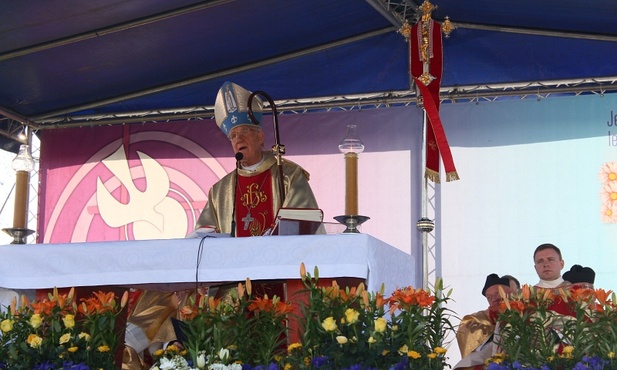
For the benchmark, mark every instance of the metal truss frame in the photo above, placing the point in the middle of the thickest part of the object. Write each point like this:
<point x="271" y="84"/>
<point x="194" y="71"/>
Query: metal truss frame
<point x="453" y="94"/>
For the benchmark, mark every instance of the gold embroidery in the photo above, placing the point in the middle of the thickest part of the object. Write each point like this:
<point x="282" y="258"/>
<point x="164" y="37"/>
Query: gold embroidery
<point x="254" y="195"/>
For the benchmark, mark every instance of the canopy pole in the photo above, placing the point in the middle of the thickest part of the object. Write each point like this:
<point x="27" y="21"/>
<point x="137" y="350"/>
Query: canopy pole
<point x="424" y="201"/>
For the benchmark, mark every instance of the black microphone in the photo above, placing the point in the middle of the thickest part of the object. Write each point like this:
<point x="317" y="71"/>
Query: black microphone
<point x="239" y="157"/>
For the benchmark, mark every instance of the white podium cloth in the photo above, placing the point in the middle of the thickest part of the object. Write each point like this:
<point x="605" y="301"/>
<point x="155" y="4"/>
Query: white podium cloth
<point x="168" y="262"/>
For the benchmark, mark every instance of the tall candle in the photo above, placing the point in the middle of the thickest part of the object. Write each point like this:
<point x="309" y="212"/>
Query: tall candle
<point x="21" y="199"/>
<point x="351" y="183"/>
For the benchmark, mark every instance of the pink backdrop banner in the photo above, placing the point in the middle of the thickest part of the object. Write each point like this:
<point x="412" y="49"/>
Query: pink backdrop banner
<point x="136" y="182"/>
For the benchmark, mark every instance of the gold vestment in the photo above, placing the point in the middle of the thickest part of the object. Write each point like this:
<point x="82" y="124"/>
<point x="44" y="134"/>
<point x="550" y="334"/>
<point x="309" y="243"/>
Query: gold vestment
<point x="473" y="331"/>
<point x="298" y="193"/>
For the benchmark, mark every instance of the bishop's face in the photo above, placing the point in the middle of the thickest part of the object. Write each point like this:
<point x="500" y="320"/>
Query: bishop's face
<point x="248" y="141"/>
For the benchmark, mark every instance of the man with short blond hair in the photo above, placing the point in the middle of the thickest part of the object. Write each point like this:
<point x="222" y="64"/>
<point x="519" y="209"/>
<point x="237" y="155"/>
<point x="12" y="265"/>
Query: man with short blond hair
<point x="548" y="264"/>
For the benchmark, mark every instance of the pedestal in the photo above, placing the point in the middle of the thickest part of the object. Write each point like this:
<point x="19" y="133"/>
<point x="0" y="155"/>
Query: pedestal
<point x="352" y="222"/>
<point x="19" y="234"/>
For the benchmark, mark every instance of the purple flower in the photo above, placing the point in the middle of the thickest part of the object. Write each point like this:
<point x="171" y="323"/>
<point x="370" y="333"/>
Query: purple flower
<point x="354" y="367"/>
<point x="496" y="366"/>
<point x="401" y="365"/>
<point x="595" y="362"/>
<point x="319" y="361"/>
<point x="70" y="365"/>
<point x="44" y="366"/>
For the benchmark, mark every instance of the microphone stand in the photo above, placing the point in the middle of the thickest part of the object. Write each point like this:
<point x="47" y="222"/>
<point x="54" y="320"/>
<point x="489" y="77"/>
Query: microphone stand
<point x="232" y="234"/>
<point x="278" y="149"/>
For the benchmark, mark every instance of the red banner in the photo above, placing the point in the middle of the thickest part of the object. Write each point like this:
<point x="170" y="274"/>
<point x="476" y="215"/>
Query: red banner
<point x="426" y="61"/>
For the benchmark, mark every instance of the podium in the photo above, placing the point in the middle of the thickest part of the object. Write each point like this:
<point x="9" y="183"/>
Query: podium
<point x="180" y="264"/>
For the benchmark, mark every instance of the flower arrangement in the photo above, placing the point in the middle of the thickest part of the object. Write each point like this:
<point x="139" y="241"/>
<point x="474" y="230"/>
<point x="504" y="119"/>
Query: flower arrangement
<point x="225" y="333"/>
<point x="341" y="328"/>
<point x="58" y="333"/>
<point x="351" y="328"/>
<point x="557" y="329"/>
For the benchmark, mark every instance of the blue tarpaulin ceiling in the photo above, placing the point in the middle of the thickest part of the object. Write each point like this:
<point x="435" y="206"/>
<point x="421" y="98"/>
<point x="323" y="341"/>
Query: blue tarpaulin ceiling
<point x="68" y="61"/>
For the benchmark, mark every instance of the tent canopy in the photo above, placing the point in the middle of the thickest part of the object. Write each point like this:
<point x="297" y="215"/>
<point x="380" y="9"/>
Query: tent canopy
<point x="73" y="62"/>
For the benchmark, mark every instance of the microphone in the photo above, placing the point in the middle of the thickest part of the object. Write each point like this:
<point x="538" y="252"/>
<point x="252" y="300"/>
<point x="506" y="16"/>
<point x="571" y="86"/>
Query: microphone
<point x="239" y="157"/>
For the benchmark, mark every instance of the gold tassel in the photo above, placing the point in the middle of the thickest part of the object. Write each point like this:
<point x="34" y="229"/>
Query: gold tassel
<point x="432" y="175"/>
<point x="452" y="176"/>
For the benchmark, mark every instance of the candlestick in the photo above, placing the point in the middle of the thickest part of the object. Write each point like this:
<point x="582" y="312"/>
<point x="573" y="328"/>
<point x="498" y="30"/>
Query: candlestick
<point x="350" y="146"/>
<point x="22" y="164"/>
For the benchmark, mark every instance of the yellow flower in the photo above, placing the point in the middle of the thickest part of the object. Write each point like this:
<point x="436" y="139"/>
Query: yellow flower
<point x="104" y="348"/>
<point x="159" y="352"/>
<point x="404" y="349"/>
<point x="6" y="325"/>
<point x="500" y="355"/>
<point x="65" y="338"/>
<point x="380" y="325"/>
<point x="394" y="327"/>
<point x="611" y="355"/>
<point x="287" y="366"/>
<point x="329" y="324"/>
<point x="173" y="348"/>
<point x="73" y="349"/>
<point x="36" y="320"/>
<point x="371" y="340"/>
<point x="432" y="355"/>
<point x="34" y="340"/>
<point x="294" y="346"/>
<point x="351" y="316"/>
<point x="69" y="321"/>
<point x="341" y="339"/>
<point x="440" y="350"/>
<point x="85" y="336"/>
<point x="567" y="349"/>
<point x="413" y="354"/>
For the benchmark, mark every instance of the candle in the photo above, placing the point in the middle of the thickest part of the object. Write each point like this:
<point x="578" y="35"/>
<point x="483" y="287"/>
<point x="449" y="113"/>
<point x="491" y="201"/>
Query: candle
<point x="21" y="199"/>
<point x="351" y="183"/>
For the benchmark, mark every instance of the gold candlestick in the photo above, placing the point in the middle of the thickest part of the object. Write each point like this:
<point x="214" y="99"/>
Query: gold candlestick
<point x="351" y="146"/>
<point x="23" y="164"/>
